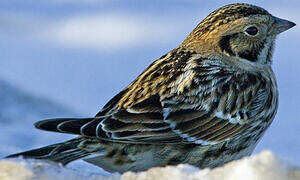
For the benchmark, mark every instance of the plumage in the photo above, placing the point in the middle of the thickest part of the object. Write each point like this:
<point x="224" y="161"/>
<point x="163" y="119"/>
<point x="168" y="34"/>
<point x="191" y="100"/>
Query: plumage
<point x="204" y="103"/>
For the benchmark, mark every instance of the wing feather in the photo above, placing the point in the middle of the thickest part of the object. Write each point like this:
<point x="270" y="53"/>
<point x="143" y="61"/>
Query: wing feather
<point x="89" y="129"/>
<point x="130" y="117"/>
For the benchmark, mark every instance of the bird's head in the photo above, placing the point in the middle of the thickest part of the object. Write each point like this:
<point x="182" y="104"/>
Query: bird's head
<point x="239" y="31"/>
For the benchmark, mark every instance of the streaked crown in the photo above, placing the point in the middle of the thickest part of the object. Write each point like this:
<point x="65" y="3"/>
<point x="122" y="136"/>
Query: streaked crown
<point x="227" y="14"/>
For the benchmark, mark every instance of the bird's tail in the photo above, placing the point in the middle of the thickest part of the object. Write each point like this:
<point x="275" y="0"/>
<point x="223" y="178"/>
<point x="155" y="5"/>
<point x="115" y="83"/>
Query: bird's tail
<point x="63" y="153"/>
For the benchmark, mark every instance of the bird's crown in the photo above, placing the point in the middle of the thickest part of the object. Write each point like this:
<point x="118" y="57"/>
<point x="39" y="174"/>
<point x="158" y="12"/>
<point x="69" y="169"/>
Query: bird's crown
<point x="227" y="14"/>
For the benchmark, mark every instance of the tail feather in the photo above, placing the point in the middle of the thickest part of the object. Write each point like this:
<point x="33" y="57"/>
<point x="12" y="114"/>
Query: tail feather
<point x="35" y="153"/>
<point x="61" y="153"/>
<point x="63" y="125"/>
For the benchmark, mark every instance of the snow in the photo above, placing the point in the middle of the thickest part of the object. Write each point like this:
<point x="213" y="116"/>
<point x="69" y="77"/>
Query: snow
<point x="12" y="170"/>
<point x="32" y="169"/>
<point x="263" y="166"/>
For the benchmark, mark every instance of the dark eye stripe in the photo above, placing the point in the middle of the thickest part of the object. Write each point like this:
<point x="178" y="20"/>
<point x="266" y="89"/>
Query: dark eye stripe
<point x="224" y="44"/>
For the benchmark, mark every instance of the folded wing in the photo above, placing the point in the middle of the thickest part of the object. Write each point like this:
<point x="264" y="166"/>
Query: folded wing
<point x="181" y="97"/>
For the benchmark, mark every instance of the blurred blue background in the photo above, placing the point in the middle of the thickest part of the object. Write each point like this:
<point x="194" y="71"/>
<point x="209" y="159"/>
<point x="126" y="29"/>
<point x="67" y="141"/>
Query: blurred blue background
<point x="79" y="53"/>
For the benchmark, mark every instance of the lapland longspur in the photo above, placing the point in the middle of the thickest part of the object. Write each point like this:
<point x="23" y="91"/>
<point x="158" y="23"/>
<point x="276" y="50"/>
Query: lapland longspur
<point x="205" y="103"/>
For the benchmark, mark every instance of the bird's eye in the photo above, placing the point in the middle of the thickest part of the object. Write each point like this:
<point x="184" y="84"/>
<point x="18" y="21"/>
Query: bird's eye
<point x="252" y="30"/>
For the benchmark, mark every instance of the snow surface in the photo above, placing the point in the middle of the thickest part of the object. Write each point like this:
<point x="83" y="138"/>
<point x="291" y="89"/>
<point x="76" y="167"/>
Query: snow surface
<point x="264" y="166"/>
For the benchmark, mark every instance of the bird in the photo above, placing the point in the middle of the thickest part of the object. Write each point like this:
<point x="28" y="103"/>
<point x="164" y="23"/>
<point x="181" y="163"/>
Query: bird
<point x="205" y="103"/>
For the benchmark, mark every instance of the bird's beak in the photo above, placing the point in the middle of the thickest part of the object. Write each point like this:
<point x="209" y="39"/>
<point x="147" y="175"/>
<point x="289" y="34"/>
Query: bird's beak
<point x="282" y="25"/>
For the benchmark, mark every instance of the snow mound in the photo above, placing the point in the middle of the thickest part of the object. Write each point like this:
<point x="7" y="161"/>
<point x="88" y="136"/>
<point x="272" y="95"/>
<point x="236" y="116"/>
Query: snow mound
<point x="12" y="170"/>
<point x="21" y="169"/>
<point x="264" y="166"/>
